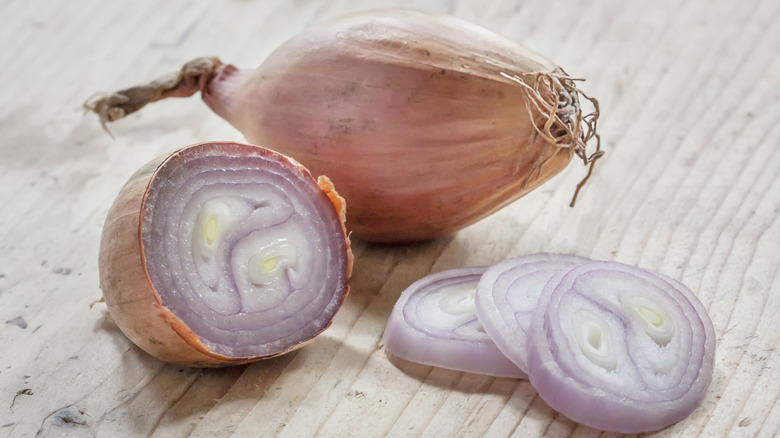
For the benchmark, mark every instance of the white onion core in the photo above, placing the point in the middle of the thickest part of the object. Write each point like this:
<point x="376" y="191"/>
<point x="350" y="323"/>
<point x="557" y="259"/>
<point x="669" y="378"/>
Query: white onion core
<point x="458" y="299"/>
<point x="217" y="216"/>
<point x="652" y="316"/>
<point x="594" y="338"/>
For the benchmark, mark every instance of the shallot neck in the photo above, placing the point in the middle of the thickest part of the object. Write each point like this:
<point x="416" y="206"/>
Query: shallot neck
<point x="194" y="76"/>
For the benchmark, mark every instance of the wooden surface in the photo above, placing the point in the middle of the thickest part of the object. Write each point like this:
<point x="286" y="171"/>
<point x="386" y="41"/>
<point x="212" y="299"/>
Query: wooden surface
<point x="690" y="186"/>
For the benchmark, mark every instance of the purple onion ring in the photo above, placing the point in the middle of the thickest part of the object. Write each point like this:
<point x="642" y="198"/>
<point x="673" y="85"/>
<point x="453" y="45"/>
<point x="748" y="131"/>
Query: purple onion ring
<point x="434" y="322"/>
<point x="620" y="348"/>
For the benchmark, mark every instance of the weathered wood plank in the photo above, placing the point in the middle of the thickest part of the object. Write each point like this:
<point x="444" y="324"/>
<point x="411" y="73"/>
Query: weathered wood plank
<point x="690" y="99"/>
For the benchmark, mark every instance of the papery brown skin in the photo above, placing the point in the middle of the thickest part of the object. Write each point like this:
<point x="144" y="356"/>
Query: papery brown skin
<point x="134" y="303"/>
<point x="411" y="115"/>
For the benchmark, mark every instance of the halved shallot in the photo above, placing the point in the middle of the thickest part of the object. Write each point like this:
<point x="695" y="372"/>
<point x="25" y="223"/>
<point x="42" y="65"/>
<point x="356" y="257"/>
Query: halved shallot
<point x="426" y="123"/>
<point x="434" y="322"/>
<point x="620" y="348"/>
<point x="224" y="253"/>
<point x="507" y="294"/>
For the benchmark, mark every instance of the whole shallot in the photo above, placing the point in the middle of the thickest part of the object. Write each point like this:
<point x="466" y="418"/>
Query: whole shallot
<point x="426" y="123"/>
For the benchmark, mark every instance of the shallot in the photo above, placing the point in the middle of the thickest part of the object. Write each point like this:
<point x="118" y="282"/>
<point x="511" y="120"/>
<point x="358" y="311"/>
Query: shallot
<point x="224" y="253"/>
<point x="434" y="322"/>
<point x="612" y="346"/>
<point x="426" y="123"/>
<point x="620" y="348"/>
<point x="507" y="295"/>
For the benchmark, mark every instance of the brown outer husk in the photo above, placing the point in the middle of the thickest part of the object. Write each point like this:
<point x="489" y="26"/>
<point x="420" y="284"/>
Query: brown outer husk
<point x="134" y="303"/>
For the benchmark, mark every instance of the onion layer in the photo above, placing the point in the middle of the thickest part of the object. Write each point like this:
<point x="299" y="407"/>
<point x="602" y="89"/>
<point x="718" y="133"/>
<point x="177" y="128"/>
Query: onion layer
<point x="507" y="295"/>
<point x="223" y="253"/>
<point x="426" y="123"/>
<point x="620" y="348"/>
<point x="434" y="322"/>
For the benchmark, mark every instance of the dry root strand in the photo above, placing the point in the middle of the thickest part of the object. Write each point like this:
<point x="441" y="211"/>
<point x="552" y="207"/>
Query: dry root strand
<point x="560" y="120"/>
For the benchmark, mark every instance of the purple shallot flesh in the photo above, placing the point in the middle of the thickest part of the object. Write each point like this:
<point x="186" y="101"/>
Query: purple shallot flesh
<point x="434" y="322"/>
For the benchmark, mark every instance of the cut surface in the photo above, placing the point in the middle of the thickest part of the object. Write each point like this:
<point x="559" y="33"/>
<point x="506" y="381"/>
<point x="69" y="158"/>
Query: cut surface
<point x="620" y="348"/>
<point x="507" y="296"/>
<point x="434" y="322"/>
<point x="244" y="248"/>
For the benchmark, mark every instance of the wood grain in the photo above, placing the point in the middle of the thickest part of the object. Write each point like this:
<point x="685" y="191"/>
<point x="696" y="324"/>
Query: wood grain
<point x="690" y="186"/>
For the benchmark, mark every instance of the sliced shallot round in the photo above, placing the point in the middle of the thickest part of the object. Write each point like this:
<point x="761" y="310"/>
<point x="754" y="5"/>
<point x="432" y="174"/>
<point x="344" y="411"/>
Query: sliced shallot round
<point x="507" y="294"/>
<point x="434" y="322"/>
<point x="620" y="348"/>
<point x="224" y="253"/>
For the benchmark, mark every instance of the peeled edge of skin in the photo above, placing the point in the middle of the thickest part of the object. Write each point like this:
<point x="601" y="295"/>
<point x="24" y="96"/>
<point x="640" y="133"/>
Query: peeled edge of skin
<point x="133" y="302"/>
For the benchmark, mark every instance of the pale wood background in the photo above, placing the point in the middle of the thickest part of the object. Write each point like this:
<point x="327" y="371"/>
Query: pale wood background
<point x="690" y="186"/>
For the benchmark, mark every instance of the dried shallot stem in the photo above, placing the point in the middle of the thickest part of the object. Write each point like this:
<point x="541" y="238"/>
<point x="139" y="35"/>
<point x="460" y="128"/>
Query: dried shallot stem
<point x="561" y="113"/>
<point x="192" y="78"/>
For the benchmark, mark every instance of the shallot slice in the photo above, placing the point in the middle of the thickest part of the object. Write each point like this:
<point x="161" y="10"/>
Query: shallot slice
<point x="507" y="294"/>
<point x="434" y="322"/>
<point x="620" y="348"/>
<point x="224" y="253"/>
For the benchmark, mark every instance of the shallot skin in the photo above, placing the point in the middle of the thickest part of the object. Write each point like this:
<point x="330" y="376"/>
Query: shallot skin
<point x="134" y="303"/>
<point x="411" y="115"/>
